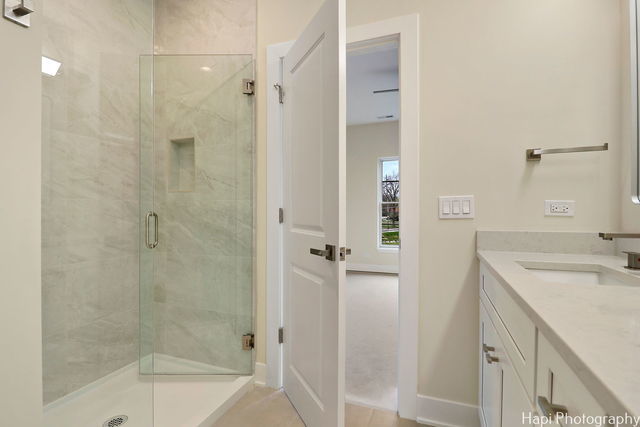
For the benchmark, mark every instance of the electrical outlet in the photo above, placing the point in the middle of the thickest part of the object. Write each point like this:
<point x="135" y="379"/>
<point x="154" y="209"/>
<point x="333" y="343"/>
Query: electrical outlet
<point x="559" y="208"/>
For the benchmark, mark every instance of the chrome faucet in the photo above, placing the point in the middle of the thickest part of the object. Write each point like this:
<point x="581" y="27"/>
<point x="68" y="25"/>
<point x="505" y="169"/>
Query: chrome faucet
<point x="611" y="236"/>
<point x="633" y="258"/>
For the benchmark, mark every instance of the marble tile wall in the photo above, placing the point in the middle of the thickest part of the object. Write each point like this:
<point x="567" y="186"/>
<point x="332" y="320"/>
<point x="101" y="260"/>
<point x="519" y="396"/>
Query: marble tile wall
<point x="205" y="26"/>
<point x="203" y="265"/>
<point x="90" y="189"/>
<point x="203" y="283"/>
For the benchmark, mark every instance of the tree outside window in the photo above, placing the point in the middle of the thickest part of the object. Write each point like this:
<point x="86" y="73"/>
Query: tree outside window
<point x="389" y="203"/>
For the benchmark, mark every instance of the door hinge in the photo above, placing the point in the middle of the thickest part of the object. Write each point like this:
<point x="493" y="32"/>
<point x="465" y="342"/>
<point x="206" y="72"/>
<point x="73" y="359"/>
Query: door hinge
<point x="278" y="87"/>
<point x="281" y="335"/>
<point x="248" y="342"/>
<point x="280" y="215"/>
<point x="248" y="86"/>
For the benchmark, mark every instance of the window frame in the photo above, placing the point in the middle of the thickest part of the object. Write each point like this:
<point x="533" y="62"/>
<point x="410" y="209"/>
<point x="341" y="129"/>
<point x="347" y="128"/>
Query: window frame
<point x="379" y="202"/>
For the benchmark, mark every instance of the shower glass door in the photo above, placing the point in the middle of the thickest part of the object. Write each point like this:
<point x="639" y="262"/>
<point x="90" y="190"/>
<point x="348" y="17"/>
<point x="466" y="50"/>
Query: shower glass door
<point x="197" y="283"/>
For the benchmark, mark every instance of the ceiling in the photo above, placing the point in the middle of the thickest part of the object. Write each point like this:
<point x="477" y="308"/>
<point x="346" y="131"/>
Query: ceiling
<point x="370" y="69"/>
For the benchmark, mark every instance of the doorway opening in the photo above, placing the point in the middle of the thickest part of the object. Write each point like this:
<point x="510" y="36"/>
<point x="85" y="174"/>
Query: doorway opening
<point x="371" y="37"/>
<point x="373" y="225"/>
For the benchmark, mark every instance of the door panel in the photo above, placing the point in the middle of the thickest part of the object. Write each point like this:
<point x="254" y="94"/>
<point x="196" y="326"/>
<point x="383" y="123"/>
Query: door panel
<point x="515" y="401"/>
<point x="314" y="155"/>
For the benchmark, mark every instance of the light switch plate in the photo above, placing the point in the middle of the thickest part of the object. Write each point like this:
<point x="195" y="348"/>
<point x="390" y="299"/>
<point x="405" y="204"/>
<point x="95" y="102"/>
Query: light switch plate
<point x="559" y="207"/>
<point x="456" y="207"/>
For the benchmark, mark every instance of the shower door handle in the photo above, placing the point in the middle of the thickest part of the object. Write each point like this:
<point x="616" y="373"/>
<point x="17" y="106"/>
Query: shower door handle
<point x="148" y="243"/>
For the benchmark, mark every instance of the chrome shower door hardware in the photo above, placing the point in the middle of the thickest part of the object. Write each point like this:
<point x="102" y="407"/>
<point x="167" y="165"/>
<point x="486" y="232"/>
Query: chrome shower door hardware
<point x="19" y="11"/>
<point x="147" y="242"/>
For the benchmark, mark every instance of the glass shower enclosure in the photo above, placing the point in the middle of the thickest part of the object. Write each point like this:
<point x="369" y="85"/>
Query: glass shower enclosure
<point x="196" y="273"/>
<point x="147" y="216"/>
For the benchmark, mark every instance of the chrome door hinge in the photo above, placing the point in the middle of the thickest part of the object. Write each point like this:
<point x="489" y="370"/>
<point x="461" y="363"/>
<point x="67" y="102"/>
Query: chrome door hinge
<point x="278" y="87"/>
<point x="248" y="342"/>
<point x="281" y="335"/>
<point x="344" y="252"/>
<point x="248" y="86"/>
<point x="280" y="215"/>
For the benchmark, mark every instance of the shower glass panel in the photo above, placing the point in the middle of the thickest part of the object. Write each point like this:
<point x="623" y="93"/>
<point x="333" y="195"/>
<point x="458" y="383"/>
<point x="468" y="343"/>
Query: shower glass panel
<point x="90" y="202"/>
<point x="200" y="184"/>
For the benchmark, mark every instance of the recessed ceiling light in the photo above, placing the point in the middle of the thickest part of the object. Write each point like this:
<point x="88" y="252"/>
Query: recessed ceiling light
<point x="50" y="66"/>
<point x="205" y="68"/>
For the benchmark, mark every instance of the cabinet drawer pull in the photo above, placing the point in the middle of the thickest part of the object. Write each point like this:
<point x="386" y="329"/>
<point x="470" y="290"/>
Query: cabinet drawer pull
<point x="487" y="348"/>
<point x="491" y="359"/>
<point x="550" y="410"/>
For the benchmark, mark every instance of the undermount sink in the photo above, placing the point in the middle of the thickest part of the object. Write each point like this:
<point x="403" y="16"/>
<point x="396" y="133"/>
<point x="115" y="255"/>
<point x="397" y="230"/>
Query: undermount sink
<point x="581" y="274"/>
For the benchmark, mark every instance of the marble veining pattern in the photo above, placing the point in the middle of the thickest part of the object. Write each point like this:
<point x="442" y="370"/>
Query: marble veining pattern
<point x="90" y="189"/>
<point x="205" y="26"/>
<point x="203" y="266"/>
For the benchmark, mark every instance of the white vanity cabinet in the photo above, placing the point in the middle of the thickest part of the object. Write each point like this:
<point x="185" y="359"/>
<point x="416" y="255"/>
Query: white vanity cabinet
<point x="502" y="396"/>
<point x="558" y="385"/>
<point x="503" y="399"/>
<point x="520" y="372"/>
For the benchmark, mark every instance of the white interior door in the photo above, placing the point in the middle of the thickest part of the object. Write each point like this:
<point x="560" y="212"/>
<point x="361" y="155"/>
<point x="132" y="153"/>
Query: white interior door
<point x="314" y="199"/>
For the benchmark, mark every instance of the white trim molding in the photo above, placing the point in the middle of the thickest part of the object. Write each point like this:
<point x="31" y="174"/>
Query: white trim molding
<point x="260" y="374"/>
<point x="275" y="53"/>
<point x="446" y="413"/>
<point x="404" y="29"/>
<point x="372" y="268"/>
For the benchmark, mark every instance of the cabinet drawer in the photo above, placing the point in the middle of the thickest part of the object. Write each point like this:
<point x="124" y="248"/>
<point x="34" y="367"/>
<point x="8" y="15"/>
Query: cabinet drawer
<point x="516" y="330"/>
<point x="560" y="386"/>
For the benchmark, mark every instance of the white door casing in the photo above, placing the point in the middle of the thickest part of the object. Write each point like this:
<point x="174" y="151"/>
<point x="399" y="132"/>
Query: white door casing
<point x="314" y="201"/>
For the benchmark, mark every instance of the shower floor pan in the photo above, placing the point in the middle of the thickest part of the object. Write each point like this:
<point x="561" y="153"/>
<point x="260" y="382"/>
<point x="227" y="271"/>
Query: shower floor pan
<point x="178" y="400"/>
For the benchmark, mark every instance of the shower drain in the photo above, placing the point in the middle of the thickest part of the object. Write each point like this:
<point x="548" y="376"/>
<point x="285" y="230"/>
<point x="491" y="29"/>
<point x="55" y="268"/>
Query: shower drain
<point x="116" y="421"/>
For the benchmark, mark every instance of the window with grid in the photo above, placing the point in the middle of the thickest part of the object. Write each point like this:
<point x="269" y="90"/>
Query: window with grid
<point x="389" y="203"/>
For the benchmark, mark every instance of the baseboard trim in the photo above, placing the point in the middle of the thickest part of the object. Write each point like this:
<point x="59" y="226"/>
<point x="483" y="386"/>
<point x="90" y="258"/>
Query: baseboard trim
<point x="446" y="413"/>
<point x="373" y="268"/>
<point x="260" y="374"/>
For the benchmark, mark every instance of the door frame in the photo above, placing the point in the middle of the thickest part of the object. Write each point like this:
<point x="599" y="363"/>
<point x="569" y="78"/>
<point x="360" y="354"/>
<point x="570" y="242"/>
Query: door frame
<point x="404" y="29"/>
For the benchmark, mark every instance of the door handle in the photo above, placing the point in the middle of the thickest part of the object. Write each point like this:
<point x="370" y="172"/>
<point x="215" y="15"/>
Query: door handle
<point x="147" y="243"/>
<point x="549" y="409"/>
<point x="328" y="253"/>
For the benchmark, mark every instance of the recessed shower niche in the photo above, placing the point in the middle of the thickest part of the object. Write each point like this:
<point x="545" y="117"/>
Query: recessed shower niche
<point x="182" y="165"/>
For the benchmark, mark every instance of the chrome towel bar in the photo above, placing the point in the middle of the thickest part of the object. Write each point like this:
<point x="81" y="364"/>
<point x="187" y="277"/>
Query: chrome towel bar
<point x="535" y="154"/>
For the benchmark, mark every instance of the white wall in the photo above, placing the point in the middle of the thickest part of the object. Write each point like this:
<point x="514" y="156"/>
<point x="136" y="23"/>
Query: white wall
<point x="497" y="77"/>
<point x="20" y="330"/>
<point x="366" y="144"/>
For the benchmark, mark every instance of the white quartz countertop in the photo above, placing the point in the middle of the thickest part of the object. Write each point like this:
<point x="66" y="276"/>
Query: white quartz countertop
<point x="596" y="328"/>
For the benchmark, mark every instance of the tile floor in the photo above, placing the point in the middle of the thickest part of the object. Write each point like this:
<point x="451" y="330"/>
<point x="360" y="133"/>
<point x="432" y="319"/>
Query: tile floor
<point x="266" y="407"/>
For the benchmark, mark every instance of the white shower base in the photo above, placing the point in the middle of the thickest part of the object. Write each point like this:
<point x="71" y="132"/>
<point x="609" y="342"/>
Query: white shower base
<point x="174" y="400"/>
